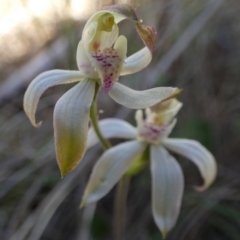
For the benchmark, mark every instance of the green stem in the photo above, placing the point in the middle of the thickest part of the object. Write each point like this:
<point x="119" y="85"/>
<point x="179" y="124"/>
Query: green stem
<point x="122" y="186"/>
<point x="94" y="120"/>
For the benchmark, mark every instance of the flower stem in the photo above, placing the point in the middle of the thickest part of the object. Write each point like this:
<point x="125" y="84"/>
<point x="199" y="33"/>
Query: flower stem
<point x="94" y="120"/>
<point x="120" y="203"/>
<point x="122" y="186"/>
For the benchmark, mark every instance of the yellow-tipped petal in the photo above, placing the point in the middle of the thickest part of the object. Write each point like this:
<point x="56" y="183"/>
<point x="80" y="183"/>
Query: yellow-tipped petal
<point x="110" y="168"/>
<point x="198" y="154"/>
<point x="167" y="188"/>
<point x="71" y="118"/>
<point x="140" y="99"/>
<point x="41" y="83"/>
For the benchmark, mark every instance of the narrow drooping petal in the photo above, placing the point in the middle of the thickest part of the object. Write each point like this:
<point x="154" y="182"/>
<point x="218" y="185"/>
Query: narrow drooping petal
<point x="112" y="128"/>
<point x="41" y="83"/>
<point x="109" y="62"/>
<point x="140" y="99"/>
<point x="197" y="153"/>
<point x="110" y="168"/>
<point x="137" y="61"/>
<point x="167" y="188"/>
<point x="84" y="64"/>
<point x="71" y="118"/>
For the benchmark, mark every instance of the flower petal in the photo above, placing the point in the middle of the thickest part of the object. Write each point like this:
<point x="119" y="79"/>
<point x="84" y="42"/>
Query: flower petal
<point x="197" y="153"/>
<point x="110" y="168"/>
<point x="140" y="99"/>
<point x="137" y="61"/>
<point x="112" y="128"/>
<point x="71" y="118"/>
<point x="41" y="83"/>
<point x="109" y="62"/>
<point x="84" y="64"/>
<point x="167" y="188"/>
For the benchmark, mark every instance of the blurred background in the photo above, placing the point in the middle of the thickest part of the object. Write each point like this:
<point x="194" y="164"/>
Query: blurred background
<point x="198" y="49"/>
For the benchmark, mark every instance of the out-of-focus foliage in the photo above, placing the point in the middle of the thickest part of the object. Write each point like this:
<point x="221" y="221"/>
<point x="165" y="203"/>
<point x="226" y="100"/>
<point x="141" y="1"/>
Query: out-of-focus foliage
<point x="198" y="50"/>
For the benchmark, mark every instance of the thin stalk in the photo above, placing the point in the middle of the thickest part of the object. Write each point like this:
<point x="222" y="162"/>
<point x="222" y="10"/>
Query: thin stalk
<point x="120" y="210"/>
<point x="122" y="186"/>
<point x="94" y="119"/>
<point x="89" y="210"/>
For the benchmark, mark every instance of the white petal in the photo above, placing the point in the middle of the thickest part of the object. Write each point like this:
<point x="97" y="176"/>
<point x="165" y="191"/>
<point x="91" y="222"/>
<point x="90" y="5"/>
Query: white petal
<point x="197" y="153"/>
<point x="112" y="128"/>
<point x="41" y="83"/>
<point x="110" y="168"/>
<point x="167" y="188"/>
<point x="140" y="99"/>
<point x="84" y="64"/>
<point x="137" y="61"/>
<point x="71" y="119"/>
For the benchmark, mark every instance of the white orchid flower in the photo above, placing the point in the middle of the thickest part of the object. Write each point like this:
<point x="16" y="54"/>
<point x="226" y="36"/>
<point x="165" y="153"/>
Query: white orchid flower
<point x="167" y="176"/>
<point x="101" y="59"/>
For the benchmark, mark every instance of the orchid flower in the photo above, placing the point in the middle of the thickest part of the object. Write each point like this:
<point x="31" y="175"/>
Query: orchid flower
<point x="167" y="176"/>
<point x="101" y="59"/>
